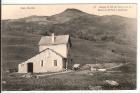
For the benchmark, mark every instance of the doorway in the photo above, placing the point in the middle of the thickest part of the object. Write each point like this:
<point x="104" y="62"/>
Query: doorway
<point x="64" y="63"/>
<point x="30" y="67"/>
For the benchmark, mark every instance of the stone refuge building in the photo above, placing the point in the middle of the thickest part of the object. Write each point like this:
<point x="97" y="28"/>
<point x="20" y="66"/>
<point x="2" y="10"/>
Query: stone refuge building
<point x="53" y="55"/>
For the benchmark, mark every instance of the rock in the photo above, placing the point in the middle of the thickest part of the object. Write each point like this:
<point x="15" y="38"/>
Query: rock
<point x="37" y="77"/>
<point x="28" y="75"/>
<point x="112" y="82"/>
<point x="4" y="82"/>
<point x="93" y="69"/>
<point x="91" y="74"/>
<point x="102" y="70"/>
<point x="76" y="66"/>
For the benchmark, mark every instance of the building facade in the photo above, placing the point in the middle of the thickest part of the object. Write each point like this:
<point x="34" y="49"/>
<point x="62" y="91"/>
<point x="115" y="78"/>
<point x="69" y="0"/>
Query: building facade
<point x="53" y="56"/>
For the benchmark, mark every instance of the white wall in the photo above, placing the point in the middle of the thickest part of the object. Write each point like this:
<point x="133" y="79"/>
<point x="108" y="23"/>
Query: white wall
<point x="61" y="49"/>
<point x="48" y="58"/>
<point x="22" y="68"/>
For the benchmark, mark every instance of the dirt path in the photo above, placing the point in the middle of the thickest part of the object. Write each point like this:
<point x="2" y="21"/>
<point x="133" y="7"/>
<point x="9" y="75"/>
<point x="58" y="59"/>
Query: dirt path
<point x="117" y="66"/>
<point x="54" y="73"/>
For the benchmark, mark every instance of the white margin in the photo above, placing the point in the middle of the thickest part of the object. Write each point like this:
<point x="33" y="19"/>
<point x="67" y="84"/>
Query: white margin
<point x="64" y="1"/>
<point x="86" y="1"/>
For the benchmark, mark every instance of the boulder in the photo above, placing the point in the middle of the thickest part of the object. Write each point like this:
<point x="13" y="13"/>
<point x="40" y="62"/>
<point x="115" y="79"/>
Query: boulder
<point x="112" y="82"/>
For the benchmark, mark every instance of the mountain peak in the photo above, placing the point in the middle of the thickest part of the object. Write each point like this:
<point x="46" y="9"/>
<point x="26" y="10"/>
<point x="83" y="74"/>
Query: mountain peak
<point x="72" y="10"/>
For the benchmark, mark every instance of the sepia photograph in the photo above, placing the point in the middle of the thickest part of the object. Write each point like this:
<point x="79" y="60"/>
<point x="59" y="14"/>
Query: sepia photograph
<point x="53" y="47"/>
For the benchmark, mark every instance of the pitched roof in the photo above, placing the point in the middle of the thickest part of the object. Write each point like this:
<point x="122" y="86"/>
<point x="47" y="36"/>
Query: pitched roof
<point x="52" y="51"/>
<point x="47" y="40"/>
<point x="43" y="51"/>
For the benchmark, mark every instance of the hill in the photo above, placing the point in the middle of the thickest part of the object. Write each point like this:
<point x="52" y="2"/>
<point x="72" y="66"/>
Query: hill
<point x="94" y="38"/>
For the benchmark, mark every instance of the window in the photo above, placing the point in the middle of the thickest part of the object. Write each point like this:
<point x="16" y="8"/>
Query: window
<point x="42" y="63"/>
<point x="55" y="62"/>
<point x="22" y="65"/>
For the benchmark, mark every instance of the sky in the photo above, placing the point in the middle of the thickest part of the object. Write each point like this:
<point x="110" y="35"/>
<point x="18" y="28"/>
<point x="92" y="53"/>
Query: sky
<point x="20" y="11"/>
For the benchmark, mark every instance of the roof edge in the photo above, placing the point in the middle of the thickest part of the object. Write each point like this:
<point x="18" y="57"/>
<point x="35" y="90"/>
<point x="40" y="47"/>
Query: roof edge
<point x="53" y="44"/>
<point x="43" y="51"/>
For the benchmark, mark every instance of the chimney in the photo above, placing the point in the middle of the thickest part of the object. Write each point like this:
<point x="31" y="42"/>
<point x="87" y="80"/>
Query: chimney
<point x="52" y="37"/>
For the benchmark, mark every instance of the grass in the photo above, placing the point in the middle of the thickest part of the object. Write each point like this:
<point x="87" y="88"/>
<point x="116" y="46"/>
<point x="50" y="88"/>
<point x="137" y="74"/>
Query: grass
<point x="17" y="48"/>
<point x="70" y="81"/>
<point x="88" y="53"/>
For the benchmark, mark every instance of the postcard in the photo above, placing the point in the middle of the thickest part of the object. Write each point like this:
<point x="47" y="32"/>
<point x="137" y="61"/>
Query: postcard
<point x="62" y="47"/>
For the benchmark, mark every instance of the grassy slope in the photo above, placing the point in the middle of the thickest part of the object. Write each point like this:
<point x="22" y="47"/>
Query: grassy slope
<point x="20" y="39"/>
<point x="18" y="49"/>
<point x="71" y="81"/>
